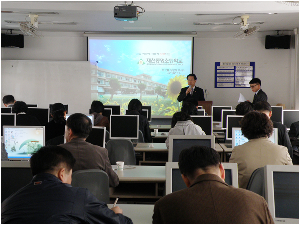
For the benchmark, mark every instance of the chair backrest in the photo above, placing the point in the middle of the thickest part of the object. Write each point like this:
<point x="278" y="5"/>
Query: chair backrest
<point x="256" y="182"/>
<point x="107" y="136"/>
<point x="121" y="150"/>
<point x="95" y="180"/>
<point x="140" y="139"/>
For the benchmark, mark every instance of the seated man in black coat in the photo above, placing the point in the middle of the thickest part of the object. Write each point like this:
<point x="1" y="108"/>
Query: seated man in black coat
<point x="283" y="137"/>
<point x="22" y="119"/>
<point x="191" y="93"/>
<point x="50" y="198"/>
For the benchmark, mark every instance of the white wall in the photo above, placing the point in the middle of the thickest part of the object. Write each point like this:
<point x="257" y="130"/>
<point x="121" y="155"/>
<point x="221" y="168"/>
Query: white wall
<point x="68" y="51"/>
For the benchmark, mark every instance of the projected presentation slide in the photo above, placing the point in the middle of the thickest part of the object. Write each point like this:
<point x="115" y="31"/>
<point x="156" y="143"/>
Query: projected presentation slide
<point x="152" y="71"/>
<point x="23" y="142"/>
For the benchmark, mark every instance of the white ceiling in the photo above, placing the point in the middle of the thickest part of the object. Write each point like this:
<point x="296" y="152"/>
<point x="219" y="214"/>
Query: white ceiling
<point x="159" y="16"/>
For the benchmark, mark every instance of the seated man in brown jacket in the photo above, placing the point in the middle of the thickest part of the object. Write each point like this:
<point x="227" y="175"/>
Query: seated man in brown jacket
<point x="208" y="199"/>
<point x="87" y="156"/>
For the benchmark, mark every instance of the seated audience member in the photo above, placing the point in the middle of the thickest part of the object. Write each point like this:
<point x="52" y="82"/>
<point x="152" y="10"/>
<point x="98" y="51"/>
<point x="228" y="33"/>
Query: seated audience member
<point x="294" y="137"/>
<point x="56" y="127"/>
<point x="283" y="137"/>
<point x="207" y="198"/>
<point x="22" y="119"/>
<point x="135" y="108"/>
<point x="50" y="198"/>
<point x="243" y="108"/>
<point x="87" y="156"/>
<point x="259" y="150"/>
<point x="189" y="108"/>
<point x="97" y="109"/>
<point x="182" y="124"/>
<point x="8" y="100"/>
<point x="4" y="156"/>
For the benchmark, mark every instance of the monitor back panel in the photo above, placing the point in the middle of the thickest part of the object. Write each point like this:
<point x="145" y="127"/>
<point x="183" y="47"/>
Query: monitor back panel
<point x="217" y="112"/>
<point x="7" y="119"/>
<point x="232" y="121"/>
<point x="116" y="109"/>
<point x="148" y="108"/>
<point x="225" y="113"/>
<point x="6" y="110"/>
<point x="124" y="126"/>
<point x="205" y="122"/>
<point x="277" y="114"/>
<point x="42" y="114"/>
<point x="97" y="136"/>
<point x="164" y="120"/>
<point x="289" y="117"/>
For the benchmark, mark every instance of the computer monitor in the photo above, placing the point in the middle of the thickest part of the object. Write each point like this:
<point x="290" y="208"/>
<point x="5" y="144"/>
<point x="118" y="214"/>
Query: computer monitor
<point x="124" y="127"/>
<point x="217" y="112"/>
<point x="42" y="114"/>
<point x="238" y="138"/>
<point x="32" y="105"/>
<point x="161" y="120"/>
<point x="205" y="122"/>
<point x="225" y="113"/>
<point x="179" y="142"/>
<point x="282" y="192"/>
<point x="14" y="176"/>
<point x="277" y="114"/>
<point x="7" y="119"/>
<point x="50" y="108"/>
<point x="232" y="121"/>
<point x="22" y="141"/>
<point x="89" y="116"/>
<point x="147" y="107"/>
<point x="201" y="112"/>
<point x="174" y="181"/>
<point x="289" y="117"/>
<point x="97" y="136"/>
<point x="144" y="112"/>
<point x="6" y="110"/>
<point x="107" y="112"/>
<point x="116" y="109"/>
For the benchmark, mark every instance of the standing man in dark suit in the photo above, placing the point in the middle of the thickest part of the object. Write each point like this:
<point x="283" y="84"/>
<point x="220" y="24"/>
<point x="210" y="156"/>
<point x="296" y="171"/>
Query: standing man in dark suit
<point x="207" y="198"/>
<point x="191" y="93"/>
<point x="259" y="96"/>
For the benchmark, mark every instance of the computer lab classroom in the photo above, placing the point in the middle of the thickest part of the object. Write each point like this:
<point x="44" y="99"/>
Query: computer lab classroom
<point x="53" y="66"/>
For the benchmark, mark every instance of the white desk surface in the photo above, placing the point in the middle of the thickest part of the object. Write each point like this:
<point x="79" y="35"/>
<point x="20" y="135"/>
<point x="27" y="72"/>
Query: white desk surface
<point x="160" y="134"/>
<point x="141" y="173"/>
<point x="139" y="214"/>
<point x="225" y="148"/>
<point x="160" y="126"/>
<point x="145" y="147"/>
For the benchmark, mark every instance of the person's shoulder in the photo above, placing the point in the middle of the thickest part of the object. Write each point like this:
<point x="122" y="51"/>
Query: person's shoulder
<point x="173" y="197"/>
<point x="199" y="88"/>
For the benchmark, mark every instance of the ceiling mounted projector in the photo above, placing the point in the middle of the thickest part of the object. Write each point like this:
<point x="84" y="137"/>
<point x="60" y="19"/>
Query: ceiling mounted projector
<point x="127" y="12"/>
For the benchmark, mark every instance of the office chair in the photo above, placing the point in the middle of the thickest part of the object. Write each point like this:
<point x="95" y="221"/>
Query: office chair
<point x="140" y="139"/>
<point x="256" y="182"/>
<point x="121" y="150"/>
<point x="107" y="136"/>
<point x="95" y="180"/>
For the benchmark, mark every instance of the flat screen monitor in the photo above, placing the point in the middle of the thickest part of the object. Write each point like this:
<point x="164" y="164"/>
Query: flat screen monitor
<point x="277" y="114"/>
<point x="179" y="142"/>
<point x="232" y="121"/>
<point x="238" y="138"/>
<point x="124" y="127"/>
<point x="201" y="112"/>
<point x="289" y="117"/>
<point x="50" y="109"/>
<point x="116" y="109"/>
<point x="97" y="136"/>
<point x="217" y="112"/>
<point x="282" y="192"/>
<point x="148" y="108"/>
<point x="225" y="113"/>
<point x="205" y="122"/>
<point x="161" y="120"/>
<point x="89" y="116"/>
<point x="7" y="119"/>
<point x="42" y="114"/>
<point x="174" y="181"/>
<point x="22" y="141"/>
<point x="14" y="176"/>
<point x="107" y="112"/>
<point x="144" y="112"/>
<point x="6" y="110"/>
<point x="32" y="105"/>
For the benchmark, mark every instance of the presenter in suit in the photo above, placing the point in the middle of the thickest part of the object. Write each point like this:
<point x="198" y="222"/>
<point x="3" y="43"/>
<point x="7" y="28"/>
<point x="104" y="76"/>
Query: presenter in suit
<point x="191" y="93"/>
<point x="259" y="96"/>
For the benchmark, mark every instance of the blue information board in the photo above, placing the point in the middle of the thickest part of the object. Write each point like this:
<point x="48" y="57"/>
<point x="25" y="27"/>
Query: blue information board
<point x="234" y="74"/>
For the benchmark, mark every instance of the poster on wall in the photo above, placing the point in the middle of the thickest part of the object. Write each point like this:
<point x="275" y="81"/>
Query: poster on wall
<point x="234" y="74"/>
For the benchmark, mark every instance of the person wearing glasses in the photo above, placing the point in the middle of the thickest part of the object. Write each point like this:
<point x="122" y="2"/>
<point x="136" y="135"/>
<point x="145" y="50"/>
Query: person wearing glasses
<point x="259" y="96"/>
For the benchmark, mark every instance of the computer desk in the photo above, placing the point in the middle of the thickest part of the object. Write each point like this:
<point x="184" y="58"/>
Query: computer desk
<point x="161" y="128"/>
<point x="159" y="149"/>
<point x="138" y="213"/>
<point x="136" y="182"/>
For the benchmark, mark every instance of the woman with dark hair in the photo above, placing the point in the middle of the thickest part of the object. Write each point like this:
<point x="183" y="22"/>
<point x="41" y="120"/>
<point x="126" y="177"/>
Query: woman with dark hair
<point x="97" y="109"/>
<point x="259" y="150"/>
<point x="22" y="118"/>
<point x="56" y="127"/>
<point x="135" y="108"/>
<point x="183" y="125"/>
